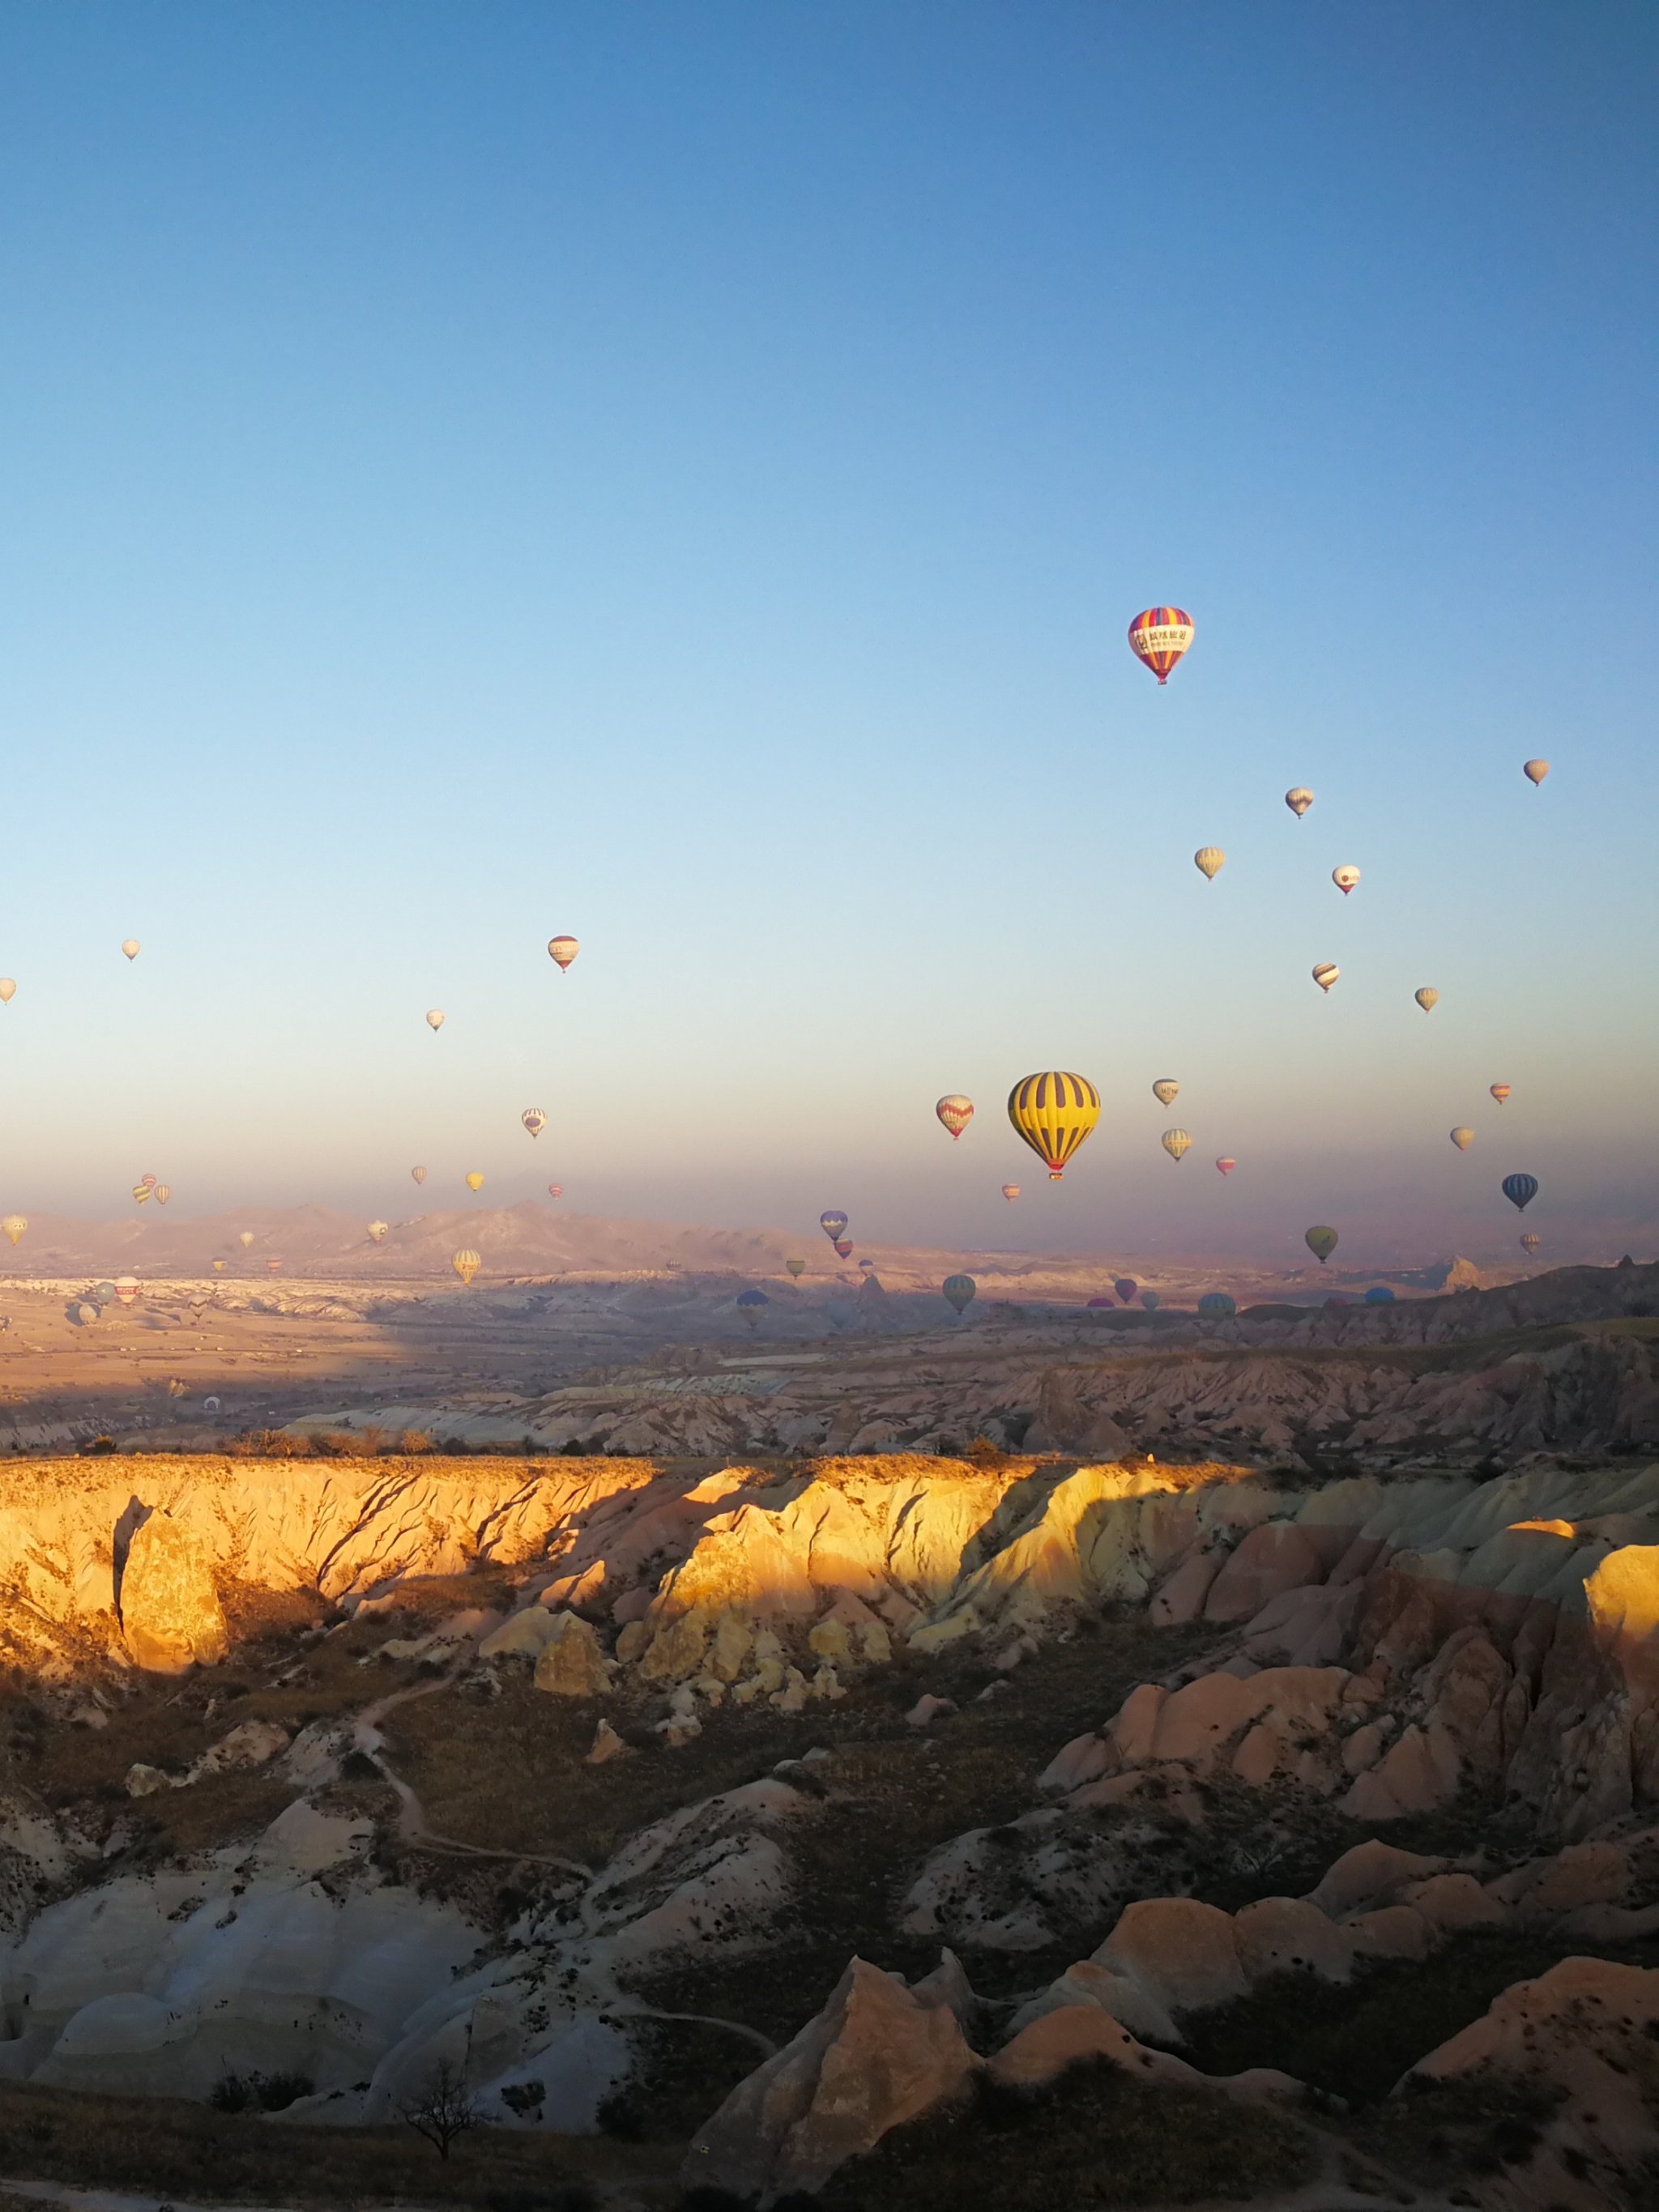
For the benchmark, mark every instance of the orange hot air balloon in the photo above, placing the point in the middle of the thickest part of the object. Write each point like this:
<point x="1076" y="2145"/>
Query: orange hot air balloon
<point x="564" y="951"/>
<point x="1158" y="636"/>
<point x="1500" y="1092"/>
<point x="956" y="1112"/>
<point x="7" y="990"/>
<point x="1226" y="1165"/>
<point x="1011" y="1191"/>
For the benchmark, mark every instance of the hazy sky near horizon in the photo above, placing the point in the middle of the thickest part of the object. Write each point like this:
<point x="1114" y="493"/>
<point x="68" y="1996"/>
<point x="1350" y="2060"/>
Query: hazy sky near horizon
<point x="683" y="475"/>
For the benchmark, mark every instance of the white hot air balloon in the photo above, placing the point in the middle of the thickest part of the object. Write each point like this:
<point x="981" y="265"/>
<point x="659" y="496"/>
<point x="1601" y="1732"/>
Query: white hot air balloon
<point x="1462" y="1138"/>
<point x="1298" y="800"/>
<point x="377" y="1230"/>
<point x="1164" y="1089"/>
<point x="1209" y="861"/>
<point x="1344" y="877"/>
<point x="1325" y="973"/>
<point x="534" y="1119"/>
<point x="7" y="990"/>
<point x="1428" y="998"/>
<point x="434" y="1020"/>
<point x="130" y="947"/>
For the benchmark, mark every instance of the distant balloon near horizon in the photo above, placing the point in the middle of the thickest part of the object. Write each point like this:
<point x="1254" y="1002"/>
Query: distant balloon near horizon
<point x="556" y="1190"/>
<point x="1378" y="1295"/>
<point x="958" y="1292"/>
<point x="1462" y="1138"/>
<point x="275" y="1265"/>
<point x="244" y="1237"/>
<point x="1322" y="1242"/>
<point x="1166" y="1090"/>
<point x="14" y="1224"/>
<point x="434" y="1020"/>
<point x="466" y="1264"/>
<point x="1325" y="973"/>
<point x="418" y="1174"/>
<point x="376" y="1231"/>
<point x="1225" y="1164"/>
<point x="844" y="1247"/>
<point x="1531" y="1242"/>
<point x="1218" y="1305"/>
<point x="833" y="1224"/>
<point x="126" y="1289"/>
<point x="1158" y="636"/>
<point x="956" y="1112"/>
<point x="1126" y="1286"/>
<point x="132" y="947"/>
<point x="1500" y="1092"/>
<point x="474" y="1180"/>
<point x="148" y="1180"/>
<point x="1298" y="799"/>
<point x="795" y="1268"/>
<point x="141" y="1192"/>
<point x="534" y="1119"/>
<point x="1053" y="1113"/>
<point x="563" y="951"/>
<point x="1519" y="1189"/>
<point x="162" y="1193"/>
<point x="1011" y="1192"/>
<point x="1209" y="861"/>
<point x="1175" y="1142"/>
<point x="1535" y="771"/>
<point x="1428" y="998"/>
<point x="1091" y="1305"/>
<point x="867" y="1266"/>
<point x="1151" y="1300"/>
<point x="1344" y="877"/>
<point x="7" y="990"/>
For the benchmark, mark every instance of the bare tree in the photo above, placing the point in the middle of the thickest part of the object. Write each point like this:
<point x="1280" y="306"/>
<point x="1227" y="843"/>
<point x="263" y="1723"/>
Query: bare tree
<point x="443" y="2108"/>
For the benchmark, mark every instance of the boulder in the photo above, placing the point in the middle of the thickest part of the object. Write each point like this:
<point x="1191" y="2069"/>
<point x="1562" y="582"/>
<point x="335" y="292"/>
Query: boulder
<point x="571" y="1664"/>
<point x="876" y="2055"/>
<point x="678" y="1648"/>
<point x="523" y="1635"/>
<point x="607" y="1745"/>
<point x="255" y="1743"/>
<point x="171" y="1616"/>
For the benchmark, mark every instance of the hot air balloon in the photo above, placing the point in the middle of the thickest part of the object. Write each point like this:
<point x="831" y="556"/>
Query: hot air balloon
<point x="466" y="1264"/>
<point x="958" y="1291"/>
<point x="1379" y="1295"/>
<point x="434" y="1020"/>
<point x="1218" y="1304"/>
<point x="1427" y="999"/>
<point x="1462" y="1138"/>
<point x="377" y="1230"/>
<point x="832" y="1224"/>
<point x="1053" y="1113"/>
<point x="1298" y="800"/>
<point x="1535" y="771"/>
<point x="474" y="1180"/>
<point x="956" y="1112"/>
<point x="141" y="1192"/>
<point x="797" y="1268"/>
<point x="14" y="1224"/>
<point x="1225" y="1164"/>
<point x="1344" y="877"/>
<point x="1164" y="1089"/>
<point x="1519" y="1189"/>
<point x="1150" y="1299"/>
<point x="1209" y="861"/>
<point x="751" y="1302"/>
<point x="148" y="1182"/>
<point x="1011" y="1192"/>
<point x="556" y="1190"/>
<point x="126" y="1289"/>
<point x="534" y="1119"/>
<point x="163" y="1192"/>
<point x="844" y="1247"/>
<point x="564" y="951"/>
<point x="1092" y="1304"/>
<point x="1322" y="1242"/>
<point x="244" y="1237"/>
<point x="1325" y="973"/>
<point x="867" y="1266"/>
<point x="7" y="990"/>
<point x="1500" y="1092"/>
<point x="1529" y="1243"/>
<point x="219" y="1266"/>
<point x="275" y="1265"/>
<point x="1158" y="636"/>
<point x="1126" y="1287"/>
<point x="419" y="1174"/>
<point x="129" y="947"/>
<point x="1175" y="1142"/>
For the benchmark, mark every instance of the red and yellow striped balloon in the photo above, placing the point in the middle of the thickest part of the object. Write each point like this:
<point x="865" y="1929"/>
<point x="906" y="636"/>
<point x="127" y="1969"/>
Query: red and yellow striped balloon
<point x="1159" y="636"/>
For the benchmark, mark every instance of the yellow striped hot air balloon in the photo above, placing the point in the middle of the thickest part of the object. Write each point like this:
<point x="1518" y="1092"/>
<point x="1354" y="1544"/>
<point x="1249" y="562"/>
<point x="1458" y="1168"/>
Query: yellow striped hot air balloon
<point x="1053" y="1112"/>
<point x="466" y="1264"/>
<point x="1209" y="861"/>
<point x="1175" y="1142"/>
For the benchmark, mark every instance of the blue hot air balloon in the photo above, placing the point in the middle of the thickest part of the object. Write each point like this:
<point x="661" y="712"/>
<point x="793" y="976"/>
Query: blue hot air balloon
<point x="1521" y="1190"/>
<point x="1216" y="1304"/>
<point x="959" y="1292"/>
<point x="1379" y="1295"/>
<point x="1149" y="1299"/>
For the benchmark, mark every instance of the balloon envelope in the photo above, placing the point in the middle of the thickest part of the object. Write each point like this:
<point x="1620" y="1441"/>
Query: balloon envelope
<point x="141" y="1192"/>
<point x="419" y="1174"/>
<point x="1053" y="1112"/>
<point x="832" y="1224"/>
<point x="129" y="947"/>
<point x="796" y="1268"/>
<point x="956" y="1112"/>
<point x="126" y="1288"/>
<point x="1175" y="1142"/>
<point x="564" y="951"/>
<point x="1158" y="636"/>
<point x="1325" y="973"/>
<point x="1126" y="1287"/>
<point x="435" y="1019"/>
<point x="14" y="1224"/>
<point x="466" y="1264"/>
<point x="1519" y="1189"/>
<point x="1226" y="1164"/>
<point x="1379" y="1295"/>
<point x="753" y="1299"/>
<point x="1344" y="878"/>
<point x="556" y="1190"/>
<point x="1150" y="1300"/>
<point x="1322" y="1242"/>
<point x="377" y="1230"/>
<point x="1500" y="1092"/>
<point x="959" y="1292"/>
<point x="244" y="1237"/>
<point x="1164" y="1089"/>
<point x="1462" y="1138"/>
<point x="1209" y="861"/>
<point x="1298" y="800"/>
<point x="148" y="1182"/>
<point x="534" y="1119"/>
<point x="1011" y="1191"/>
<point x="843" y="1246"/>
<point x="1531" y="1242"/>
<point x="474" y="1181"/>
<point x="1217" y="1301"/>
<point x="1427" y="999"/>
<point x="1535" y="770"/>
<point x="162" y="1193"/>
<point x="7" y="990"/>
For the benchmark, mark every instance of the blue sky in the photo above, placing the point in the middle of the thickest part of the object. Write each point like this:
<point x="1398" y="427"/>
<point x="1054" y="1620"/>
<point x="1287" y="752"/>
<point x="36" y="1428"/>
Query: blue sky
<point x="683" y="475"/>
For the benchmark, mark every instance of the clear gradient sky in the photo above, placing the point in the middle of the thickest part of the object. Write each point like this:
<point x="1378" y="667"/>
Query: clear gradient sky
<point x="681" y="474"/>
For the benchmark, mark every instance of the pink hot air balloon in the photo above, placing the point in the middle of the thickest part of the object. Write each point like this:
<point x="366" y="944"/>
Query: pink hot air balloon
<point x="556" y="1190"/>
<point x="1225" y="1164"/>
